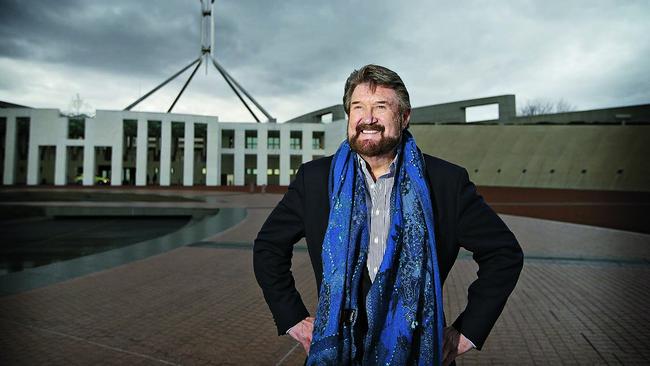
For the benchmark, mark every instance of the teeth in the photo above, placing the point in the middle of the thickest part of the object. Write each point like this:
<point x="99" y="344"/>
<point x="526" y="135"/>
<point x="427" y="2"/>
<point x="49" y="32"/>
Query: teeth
<point x="370" y="131"/>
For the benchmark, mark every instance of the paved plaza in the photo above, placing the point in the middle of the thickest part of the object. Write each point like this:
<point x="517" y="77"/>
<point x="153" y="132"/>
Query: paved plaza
<point x="583" y="298"/>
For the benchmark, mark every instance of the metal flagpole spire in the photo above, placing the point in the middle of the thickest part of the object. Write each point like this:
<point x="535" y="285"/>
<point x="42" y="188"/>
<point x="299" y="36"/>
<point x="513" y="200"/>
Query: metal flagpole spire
<point x="208" y="56"/>
<point x="161" y="85"/>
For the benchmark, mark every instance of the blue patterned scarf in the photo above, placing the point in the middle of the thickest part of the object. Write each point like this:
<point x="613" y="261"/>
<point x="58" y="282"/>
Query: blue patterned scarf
<point x="404" y="303"/>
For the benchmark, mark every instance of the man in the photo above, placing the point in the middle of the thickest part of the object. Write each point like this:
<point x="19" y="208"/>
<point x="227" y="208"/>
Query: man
<point x="383" y="225"/>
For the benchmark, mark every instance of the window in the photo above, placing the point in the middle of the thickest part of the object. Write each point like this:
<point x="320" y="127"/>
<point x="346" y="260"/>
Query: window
<point x="227" y="139"/>
<point x="200" y="136"/>
<point x="295" y="140"/>
<point x="482" y="113"/>
<point x="318" y="140"/>
<point x="251" y="139"/>
<point x="76" y="128"/>
<point x="153" y="140"/>
<point x="327" y="117"/>
<point x="273" y="142"/>
<point x="251" y="142"/>
<point x="130" y="141"/>
<point x="199" y="143"/>
<point x="130" y="132"/>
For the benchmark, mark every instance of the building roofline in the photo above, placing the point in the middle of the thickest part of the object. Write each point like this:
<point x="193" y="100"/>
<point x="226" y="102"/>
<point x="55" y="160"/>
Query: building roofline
<point x="4" y="104"/>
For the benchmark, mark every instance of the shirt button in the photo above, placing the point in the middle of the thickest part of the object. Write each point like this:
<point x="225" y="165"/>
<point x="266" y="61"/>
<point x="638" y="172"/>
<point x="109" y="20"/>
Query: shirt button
<point x="372" y="186"/>
<point x="376" y="240"/>
<point x="377" y="212"/>
<point x="375" y="270"/>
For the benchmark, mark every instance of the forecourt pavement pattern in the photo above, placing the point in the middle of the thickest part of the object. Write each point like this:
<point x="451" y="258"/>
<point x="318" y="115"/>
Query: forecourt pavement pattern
<point x="582" y="299"/>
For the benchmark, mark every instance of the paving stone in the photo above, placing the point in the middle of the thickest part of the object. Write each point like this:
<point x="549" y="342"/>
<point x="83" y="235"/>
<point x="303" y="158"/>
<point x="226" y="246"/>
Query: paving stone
<point x="200" y="305"/>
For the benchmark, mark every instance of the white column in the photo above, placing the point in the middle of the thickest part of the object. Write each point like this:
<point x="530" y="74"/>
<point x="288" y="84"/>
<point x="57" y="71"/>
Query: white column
<point x="188" y="155"/>
<point x="89" y="165"/>
<point x="307" y="152"/>
<point x="165" y="152"/>
<point x="117" y="156"/>
<point x="60" y="165"/>
<point x="117" y="150"/>
<point x="239" y="156"/>
<point x="285" y="154"/>
<point x="32" y="162"/>
<point x="212" y="161"/>
<point x="10" y="151"/>
<point x="141" y="150"/>
<point x="262" y="156"/>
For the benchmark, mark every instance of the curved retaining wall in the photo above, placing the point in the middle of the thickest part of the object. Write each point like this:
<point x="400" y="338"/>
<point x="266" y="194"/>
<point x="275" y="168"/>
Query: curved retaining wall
<point x="610" y="157"/>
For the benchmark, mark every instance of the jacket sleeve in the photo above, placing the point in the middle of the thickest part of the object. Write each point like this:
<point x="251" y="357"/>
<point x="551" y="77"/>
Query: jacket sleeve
<point x="272" y="253"/>
<point x="499" y="256"/>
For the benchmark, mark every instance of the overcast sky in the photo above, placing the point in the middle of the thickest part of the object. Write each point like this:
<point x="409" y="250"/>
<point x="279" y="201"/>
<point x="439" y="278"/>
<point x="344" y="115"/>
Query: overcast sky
<point x="294" y="56"/>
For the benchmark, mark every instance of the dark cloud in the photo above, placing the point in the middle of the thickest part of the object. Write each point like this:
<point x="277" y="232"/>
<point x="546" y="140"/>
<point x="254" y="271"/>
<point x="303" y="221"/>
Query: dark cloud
<point x="121" y="36"/>
<point x="294" y="44"/>
<point x="298" y="53"/>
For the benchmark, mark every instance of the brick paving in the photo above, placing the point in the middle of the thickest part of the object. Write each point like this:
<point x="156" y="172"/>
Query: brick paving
<point x="582" y="299"/>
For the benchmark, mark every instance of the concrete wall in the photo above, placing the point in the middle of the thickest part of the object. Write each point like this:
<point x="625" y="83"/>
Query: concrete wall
<point x="48" y="127"/>
<point x="335" y="133"/>
<point x="337" y="111"/>
<point x="456" y="111"/>
<point x="438" y="113"/>
<point x="638" y="114"/>
<point x="307" y="152"/>
<point x="603" y="149"/>
<point x="553" y="156"/>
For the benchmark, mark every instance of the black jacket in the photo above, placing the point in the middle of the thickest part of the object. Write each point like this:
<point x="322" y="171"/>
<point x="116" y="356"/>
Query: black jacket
<point x="461" y="217"/>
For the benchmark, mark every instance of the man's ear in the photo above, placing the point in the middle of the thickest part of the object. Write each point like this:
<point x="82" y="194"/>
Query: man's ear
<point x="406" y="118"/>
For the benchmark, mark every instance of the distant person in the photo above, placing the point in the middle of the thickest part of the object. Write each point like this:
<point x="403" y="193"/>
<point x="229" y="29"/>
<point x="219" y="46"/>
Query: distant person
<point x="383" y="225"/>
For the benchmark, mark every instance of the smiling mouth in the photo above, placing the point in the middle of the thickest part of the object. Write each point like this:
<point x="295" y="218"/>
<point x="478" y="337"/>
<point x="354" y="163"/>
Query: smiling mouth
<point x="366" y="129"/>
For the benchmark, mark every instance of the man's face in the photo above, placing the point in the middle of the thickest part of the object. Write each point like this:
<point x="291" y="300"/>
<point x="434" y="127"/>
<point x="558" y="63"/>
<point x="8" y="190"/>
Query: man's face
<point x="375" y="125"/>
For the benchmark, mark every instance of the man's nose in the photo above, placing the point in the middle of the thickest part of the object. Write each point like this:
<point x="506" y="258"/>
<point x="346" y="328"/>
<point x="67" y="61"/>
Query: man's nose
<point x="369" y="118"/>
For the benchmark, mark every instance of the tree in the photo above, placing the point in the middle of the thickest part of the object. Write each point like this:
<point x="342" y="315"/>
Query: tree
<point x="563" y="106"/>
<point x="79" y="108"/>
<point x="537" y="107"/>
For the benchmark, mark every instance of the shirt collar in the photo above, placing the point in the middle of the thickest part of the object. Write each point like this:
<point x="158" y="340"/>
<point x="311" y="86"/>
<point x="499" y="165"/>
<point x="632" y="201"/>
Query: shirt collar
<point x="364" y="167"/>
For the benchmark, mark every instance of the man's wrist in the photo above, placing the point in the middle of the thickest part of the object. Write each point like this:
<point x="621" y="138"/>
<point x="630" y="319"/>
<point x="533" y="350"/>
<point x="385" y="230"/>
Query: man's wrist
<point x="457" y="325"/>
<point x="290" y="329"/>
<point x="469" y="340"/>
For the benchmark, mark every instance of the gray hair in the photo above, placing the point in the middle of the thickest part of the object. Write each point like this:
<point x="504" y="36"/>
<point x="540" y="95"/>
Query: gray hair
<point x="377" y="75"/>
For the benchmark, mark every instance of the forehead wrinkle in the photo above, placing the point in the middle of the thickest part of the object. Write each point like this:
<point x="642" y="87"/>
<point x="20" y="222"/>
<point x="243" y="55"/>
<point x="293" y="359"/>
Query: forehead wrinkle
<point x="364" y="94"/>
